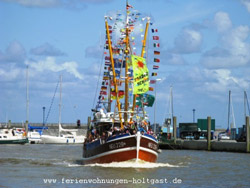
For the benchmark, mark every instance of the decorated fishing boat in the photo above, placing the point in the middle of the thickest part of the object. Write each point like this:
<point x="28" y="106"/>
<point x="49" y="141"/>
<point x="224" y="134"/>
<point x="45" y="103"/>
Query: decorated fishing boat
<point x="120" y="129"/>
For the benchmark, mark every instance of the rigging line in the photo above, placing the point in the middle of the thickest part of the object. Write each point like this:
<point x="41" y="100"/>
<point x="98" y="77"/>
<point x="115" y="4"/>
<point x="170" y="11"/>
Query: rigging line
<point x="52" y="101"/>
<point x="97" y="86"/>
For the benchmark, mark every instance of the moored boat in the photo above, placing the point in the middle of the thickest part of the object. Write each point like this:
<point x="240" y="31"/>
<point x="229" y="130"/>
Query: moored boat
<point x="124" y="133"/>
<point x="13" y="136"/>
<point x="65" y="136"/>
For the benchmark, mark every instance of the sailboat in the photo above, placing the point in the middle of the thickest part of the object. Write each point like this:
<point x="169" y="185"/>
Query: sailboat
<point x="120" y="129"/>
<point x="65" y="136"/>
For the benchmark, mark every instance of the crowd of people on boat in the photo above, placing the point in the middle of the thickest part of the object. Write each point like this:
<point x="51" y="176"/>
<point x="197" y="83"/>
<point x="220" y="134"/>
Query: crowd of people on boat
<point x="132" y="128"/>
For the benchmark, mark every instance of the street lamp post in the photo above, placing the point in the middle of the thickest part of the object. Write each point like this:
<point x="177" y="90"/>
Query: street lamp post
<point x="44" y="116"/>
<point x="193" y="115"/>
<point x="155" y="105"/>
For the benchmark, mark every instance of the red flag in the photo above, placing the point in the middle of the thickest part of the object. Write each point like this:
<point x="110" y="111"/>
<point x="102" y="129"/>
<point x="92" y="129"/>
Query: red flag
<point x="156" y="60"/>
<point x="152" y="81"/>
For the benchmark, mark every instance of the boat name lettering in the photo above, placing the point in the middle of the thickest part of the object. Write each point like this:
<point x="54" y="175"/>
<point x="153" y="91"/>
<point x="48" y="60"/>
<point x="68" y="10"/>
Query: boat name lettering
<point x="152" y="146"/>
<point x="117" y="145"/>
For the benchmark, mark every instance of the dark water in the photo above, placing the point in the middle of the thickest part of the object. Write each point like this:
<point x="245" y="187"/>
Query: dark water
<point x="58" y="166"/>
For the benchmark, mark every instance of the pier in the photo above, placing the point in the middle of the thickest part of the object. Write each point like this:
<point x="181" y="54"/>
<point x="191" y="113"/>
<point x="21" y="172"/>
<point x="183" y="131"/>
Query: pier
<point x="208" y="144"/>
<point x="229" y="146"/>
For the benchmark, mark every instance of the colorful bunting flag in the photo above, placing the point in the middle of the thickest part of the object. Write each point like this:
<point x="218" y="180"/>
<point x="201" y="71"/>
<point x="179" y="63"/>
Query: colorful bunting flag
<point x="156" y="60"/>
<point x="156" y="53"/>
<point x="106" y="73"/>
<point x="107" y="63"/>
<point x="151" y="89"/>
<point x="103" y="88"/>
<point x="105" y="78"/>
<point x="155" y="67"/>
<point x="156" y="38"/>
<point x="154" y="30"/>
<point x="154" y="74"/>
<point x="156" y="45"/>
<point x="152" y="81"/>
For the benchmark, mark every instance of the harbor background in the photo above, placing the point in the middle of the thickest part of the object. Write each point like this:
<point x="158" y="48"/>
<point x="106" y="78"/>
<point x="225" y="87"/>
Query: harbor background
<point x="35" y="165"/>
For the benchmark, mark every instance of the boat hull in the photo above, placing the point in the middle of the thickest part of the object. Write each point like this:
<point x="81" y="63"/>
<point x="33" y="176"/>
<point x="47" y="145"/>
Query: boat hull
<point x="46" y="139"/>
<point x="14" y="141"/>
<point x="127" y="147"/>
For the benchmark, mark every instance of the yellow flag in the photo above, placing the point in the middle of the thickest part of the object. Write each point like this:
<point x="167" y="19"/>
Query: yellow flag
<point x="140" y="73"/>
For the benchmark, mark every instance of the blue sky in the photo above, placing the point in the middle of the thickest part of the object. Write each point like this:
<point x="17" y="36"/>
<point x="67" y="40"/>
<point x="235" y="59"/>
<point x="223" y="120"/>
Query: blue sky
<point x="205" y="49"/>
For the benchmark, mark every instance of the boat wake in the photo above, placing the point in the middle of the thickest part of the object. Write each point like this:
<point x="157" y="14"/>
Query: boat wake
<point x="140" y="164"/>
<point x="134" y="164"/>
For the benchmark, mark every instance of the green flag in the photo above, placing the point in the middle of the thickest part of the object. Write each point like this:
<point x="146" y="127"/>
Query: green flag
<point x="146" y="99"/>
<point x="140" y="73"/>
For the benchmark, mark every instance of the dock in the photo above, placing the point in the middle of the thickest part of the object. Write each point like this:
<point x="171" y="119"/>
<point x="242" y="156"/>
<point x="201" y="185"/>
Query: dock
<point x="225" y="145"/>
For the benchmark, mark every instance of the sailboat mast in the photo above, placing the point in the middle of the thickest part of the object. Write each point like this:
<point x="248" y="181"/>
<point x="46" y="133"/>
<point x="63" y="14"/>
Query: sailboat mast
<point x="228" y="115"/>
<point x="245" y="113"/>
<point x="171" y="105"/>
<point x="27" y="93"/>
<point x="60" y="103"/>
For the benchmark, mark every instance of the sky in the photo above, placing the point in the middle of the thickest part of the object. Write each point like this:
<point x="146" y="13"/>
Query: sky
<point x="205" y="49"/>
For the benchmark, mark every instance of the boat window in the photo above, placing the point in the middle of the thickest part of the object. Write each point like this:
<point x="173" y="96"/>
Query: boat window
<point x="5" y="136"/>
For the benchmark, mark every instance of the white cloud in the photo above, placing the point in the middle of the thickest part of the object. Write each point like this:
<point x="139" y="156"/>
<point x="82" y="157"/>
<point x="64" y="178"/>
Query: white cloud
<point x="49" y="64"/>
<point x="172" y="58"/>
<point x="233" y="49"/>
<point x="221" y="80"/>
<point x="222" y="21"/>
<point x="46" y="50"/>
<point x="246" y="3"/>
<point x="15" y="52"/>
<point x="235" y="41"/>
<point x="9" y="75"/>
<point x="188" y="41"/>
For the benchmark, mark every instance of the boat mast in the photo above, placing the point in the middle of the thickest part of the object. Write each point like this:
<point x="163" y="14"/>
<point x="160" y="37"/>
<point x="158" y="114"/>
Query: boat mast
<point x="228" y="115"/>
<point x="114" y="74"/>
<point x="60" y="104"/>
<point x="127" y="50"/>
<point x="142" y="55"/>
<point x="246" y="104"/>
<point x="27" y="93"/>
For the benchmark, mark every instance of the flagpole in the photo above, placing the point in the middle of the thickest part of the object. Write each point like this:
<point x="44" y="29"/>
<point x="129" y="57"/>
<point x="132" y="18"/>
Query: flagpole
<point x="126" y="69"/>
<point x="114" y="74"/>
